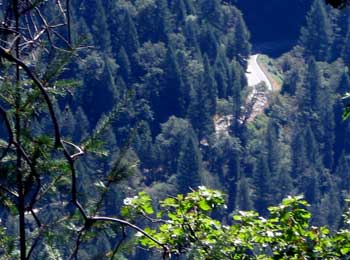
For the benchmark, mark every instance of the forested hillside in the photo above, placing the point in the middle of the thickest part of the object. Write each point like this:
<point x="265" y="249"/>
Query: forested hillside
<point x="152" y="83"/>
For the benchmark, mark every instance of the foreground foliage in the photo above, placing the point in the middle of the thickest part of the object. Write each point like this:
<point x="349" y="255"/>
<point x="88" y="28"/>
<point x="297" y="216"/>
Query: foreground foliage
<point x="186" y="227"/>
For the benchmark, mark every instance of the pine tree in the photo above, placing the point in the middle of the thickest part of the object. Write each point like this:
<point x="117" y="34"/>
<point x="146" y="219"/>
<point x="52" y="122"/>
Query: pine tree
<point x="154" y="21"/>
<point x="124" y="64"/>
<point x="178" y="7"/>
<point x="263" y="185"/>
<point x="299" y="155"/>
<point x="273" y="151"/>
<point x="99" y="26"/>
<point x="316" y="37"/>
<point x="126" y="35"/>
<point x="244" y="197"/>
<point x="237" y="83"/>
<point x="312" y="147"/>
<point x="343" y="45"/>
<point x="83" y="128"/>
<point x="210" y="86"/>
<point x="192" y="35"/>
<point x="189" y="166"/>
<point x="169" y="141"/>
<point x="291" y="81"/>
<point x="172" y="101"/>
<point x="208" y="41"/>
<point x="211" y="12"/>
<point x="222" y="73"/>
<point x="342" y="172"/>
<point x="310" y="185"/>
<point x="234" y="175"/>
<point x="314" y="85"/>
<point x="203" y="103"/>
<point x="241" y="39"/>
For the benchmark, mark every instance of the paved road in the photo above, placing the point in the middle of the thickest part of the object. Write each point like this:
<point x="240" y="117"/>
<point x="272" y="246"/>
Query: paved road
<point x="254" y="73"/>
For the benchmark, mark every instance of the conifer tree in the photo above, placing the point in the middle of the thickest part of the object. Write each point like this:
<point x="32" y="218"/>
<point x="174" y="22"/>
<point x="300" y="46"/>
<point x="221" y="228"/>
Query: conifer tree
<point x="222" y="73"/>
<point x="83" y="128"/>
<point x="99" y="26"/>
<point x="211" y="11"/>
<point x="299" y="155"/>
<point x="209" y="85"/>
<point x="237" y="83"/>
<point x="234" y="176"/>
<point x="244" y="198"/>
<point x="312" y="147"/>
<point x="263" y="185"/>
<point x="343" y="168"/>
<point x="316" y="37"/>
<point x="273" y="151"/>
<point x="241" y="38"/>
<point x="172" y="94"/>
<point x="124" y="64"/>
<point x="314" y="85"/>
<point x="126" y="35"/>
<point x="189" y="166"/>
<point x="208" y="41"/>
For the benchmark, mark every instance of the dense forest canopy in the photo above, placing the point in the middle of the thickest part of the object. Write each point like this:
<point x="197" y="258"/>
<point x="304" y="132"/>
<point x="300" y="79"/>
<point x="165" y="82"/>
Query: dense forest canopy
<point x="107" y="104"/>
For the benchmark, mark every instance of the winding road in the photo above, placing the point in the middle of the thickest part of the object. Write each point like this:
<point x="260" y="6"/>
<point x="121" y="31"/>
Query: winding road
<point x="255" y="74"/>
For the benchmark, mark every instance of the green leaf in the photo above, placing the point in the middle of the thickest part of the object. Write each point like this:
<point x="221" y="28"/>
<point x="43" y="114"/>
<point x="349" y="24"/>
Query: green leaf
<point x="203" y="205"/>
<point x="346" y="113"/>
<point x="345" y="250"/>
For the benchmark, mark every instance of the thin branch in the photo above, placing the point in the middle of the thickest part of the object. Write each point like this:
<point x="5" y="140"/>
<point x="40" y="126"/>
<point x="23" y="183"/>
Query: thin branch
<point x="120" y="242"/>
<point x="12" y="193"/>
<point x="126" y="223"/>
<point x="74" y="254"/>
<point x="7" y="55"/>
<point x="76" y="147"/>
<point x="61" y="10"/>
<point x="68" y="22"/>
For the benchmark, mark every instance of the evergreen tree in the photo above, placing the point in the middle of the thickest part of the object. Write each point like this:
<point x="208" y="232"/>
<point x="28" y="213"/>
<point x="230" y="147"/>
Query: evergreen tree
<point x="211" y="11"/>
<point x="124" y="64"/>
<point x="316" y="37"/>
<point x="310" y="185"/>
<point x="291" y="81"/>
<point x="178" y="7"/>
<point x="169" y="141"/>
<point x="314" y="85"/>
<point x="342" y="172"/>
<point x="234" y="172"/>
<point x="154" y="21"/>
<point x="312" y="147"/>
<point x="222" y="73"/>
<point x="241" y="38"/>
<point x="99" y="26"/>
<point x="189" y="166"/>
<point x="263" y="185"/>
<point x="125" y="34"/>
<point x="273" y="151"/>
<point x="209" y="85"/>
<point x="192" y="35"/>
<point x="237" y="83"/>
<point x="100" y="92"/>
<point x="299" y="155"/>
<point x="202" y="106"/>
<point x="343" y="45"/>
<point x="82" y="129"/>
<point x="244" y="198"/>
<point x="208" y="41"/>
<point x="144" y="146"/>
